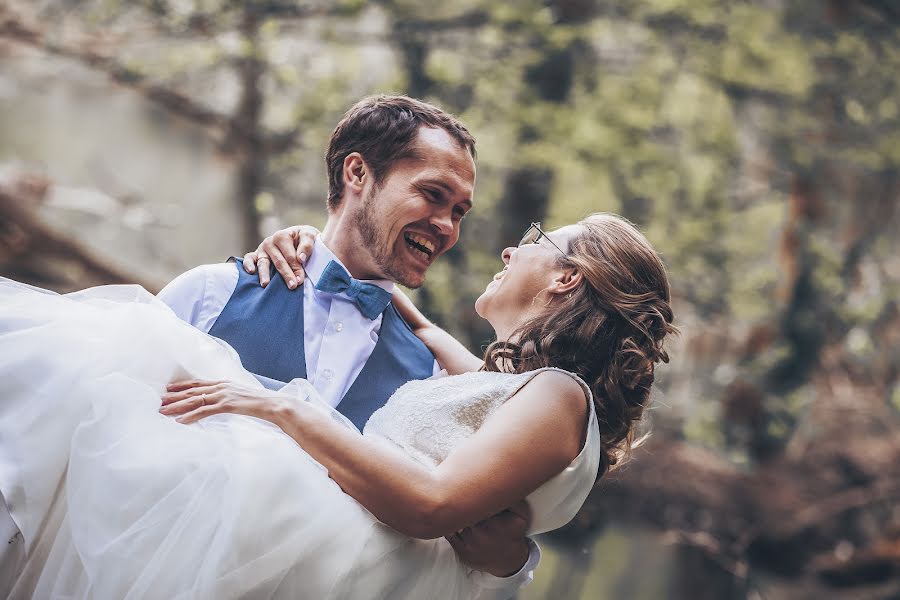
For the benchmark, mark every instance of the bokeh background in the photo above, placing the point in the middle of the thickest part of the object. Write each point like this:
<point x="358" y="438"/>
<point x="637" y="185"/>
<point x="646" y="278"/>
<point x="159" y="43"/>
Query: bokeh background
<point x="756" y="143"/>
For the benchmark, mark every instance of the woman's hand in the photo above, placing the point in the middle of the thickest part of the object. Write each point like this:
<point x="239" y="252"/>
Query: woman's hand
<point x="193" y="400"/>
<point x="287" y="249"/>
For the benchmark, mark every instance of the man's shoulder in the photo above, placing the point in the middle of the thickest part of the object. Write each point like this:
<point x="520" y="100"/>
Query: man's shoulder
<point x="199" y="294"/>
<point x="220" y="270"/>
<point x="201" y="277"/>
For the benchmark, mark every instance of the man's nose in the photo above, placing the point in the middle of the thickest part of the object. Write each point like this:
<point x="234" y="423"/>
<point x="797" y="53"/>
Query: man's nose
<point x="507" y="253"/>
<point x="443" y="222"/>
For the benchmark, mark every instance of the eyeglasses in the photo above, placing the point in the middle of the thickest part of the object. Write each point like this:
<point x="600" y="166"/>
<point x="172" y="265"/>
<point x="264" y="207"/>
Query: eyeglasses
<point x="534" y="234"/>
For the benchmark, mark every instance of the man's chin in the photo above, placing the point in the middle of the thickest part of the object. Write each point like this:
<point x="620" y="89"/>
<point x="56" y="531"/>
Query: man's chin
<point x="412" y="279"/>
<point x="411" y="282"/>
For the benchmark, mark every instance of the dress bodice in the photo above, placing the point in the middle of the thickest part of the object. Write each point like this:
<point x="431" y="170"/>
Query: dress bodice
<point x="429" y="418"/>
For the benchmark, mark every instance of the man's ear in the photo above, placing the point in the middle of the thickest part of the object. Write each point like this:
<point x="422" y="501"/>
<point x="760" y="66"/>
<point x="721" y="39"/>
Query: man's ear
<point x="566" y="282"/>
<point x="356" y="173"/>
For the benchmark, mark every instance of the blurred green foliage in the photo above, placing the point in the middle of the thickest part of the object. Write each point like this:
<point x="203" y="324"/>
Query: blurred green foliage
<point x="756" y="143"/>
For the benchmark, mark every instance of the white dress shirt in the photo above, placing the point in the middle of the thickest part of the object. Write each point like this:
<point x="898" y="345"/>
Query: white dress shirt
<point x="338" y="340"/>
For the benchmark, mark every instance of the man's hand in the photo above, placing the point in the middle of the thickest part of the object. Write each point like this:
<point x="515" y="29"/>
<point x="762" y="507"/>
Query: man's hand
<point x="497" y="545"/>
<point x="287" y="249"/>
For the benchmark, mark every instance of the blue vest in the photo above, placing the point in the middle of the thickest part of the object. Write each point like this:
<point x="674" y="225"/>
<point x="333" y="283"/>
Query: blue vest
<point x="265" y="326"/>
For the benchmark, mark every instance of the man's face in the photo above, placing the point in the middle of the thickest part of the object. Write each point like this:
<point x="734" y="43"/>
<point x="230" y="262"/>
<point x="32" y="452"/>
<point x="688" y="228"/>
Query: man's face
<point x="414" y="215"/>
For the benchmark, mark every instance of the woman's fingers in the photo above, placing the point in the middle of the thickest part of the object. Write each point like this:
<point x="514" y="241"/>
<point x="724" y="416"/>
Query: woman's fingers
<point x="186" y="384"/>
<point x="181" y="402"/>
<point x="194" y="399"/>
<point x="183" y="406"/>
<point x="185" y="395"/>
<point x="263" y="264"/>
<point x="287" y="250"/>
<point x="306" y="240"/>
<point x="280" y="248"/>
<point x="250" y="262"/>
<point x="201" y="412"/>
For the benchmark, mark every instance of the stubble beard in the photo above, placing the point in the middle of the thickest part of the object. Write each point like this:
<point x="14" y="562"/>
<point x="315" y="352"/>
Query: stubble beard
<point x="373" y="238"/>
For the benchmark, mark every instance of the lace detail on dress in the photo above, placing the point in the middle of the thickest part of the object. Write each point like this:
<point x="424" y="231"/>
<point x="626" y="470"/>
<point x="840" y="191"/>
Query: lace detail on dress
<point x="429" y="418"/>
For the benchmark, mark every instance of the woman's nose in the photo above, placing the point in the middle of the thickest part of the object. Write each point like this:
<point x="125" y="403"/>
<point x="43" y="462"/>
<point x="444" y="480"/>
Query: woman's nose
<point x="507" y="253"/>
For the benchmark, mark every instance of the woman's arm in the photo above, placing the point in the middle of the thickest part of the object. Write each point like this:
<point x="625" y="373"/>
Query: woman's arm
<point x="448" y="351"/>
<point x="523" y="444"/>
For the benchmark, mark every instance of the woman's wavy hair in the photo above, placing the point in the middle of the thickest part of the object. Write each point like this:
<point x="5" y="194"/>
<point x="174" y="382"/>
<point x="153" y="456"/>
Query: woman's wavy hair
<point x="609" y="331"/>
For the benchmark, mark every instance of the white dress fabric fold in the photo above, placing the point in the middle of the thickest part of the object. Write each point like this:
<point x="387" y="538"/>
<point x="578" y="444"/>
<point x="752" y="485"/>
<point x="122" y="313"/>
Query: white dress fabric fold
<point x="115" y="500"/>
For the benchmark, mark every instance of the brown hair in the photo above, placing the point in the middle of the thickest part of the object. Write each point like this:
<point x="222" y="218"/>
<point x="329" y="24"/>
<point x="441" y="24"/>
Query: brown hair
<point x="383" y="129"/>
<point x="609" y="331"/>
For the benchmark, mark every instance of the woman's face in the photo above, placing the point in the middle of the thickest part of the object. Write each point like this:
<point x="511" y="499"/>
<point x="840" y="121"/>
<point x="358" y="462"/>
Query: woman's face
<point x="520" y="290"/>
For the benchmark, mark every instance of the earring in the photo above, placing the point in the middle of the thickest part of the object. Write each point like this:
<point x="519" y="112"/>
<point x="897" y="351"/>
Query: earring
<point x="569" y="296"/>
<point x="549" y="300"/>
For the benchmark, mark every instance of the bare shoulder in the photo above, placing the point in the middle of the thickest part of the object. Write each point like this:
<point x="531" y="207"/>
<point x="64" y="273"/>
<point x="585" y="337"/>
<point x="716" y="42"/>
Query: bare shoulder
<point x="560" y="404"/>
<point x="561" y="389"/>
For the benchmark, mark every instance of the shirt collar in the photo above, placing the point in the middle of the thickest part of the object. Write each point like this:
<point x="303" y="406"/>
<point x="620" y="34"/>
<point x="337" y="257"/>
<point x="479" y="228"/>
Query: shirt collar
<point x="322" y="255"/>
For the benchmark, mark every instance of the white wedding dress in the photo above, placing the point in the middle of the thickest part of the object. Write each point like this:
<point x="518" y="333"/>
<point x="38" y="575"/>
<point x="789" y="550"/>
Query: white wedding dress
<point x="116" y="501"/>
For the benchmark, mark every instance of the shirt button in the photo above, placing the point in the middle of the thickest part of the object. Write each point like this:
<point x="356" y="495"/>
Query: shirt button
<point x="339" y="327"/>
<point x="326" y="374"/>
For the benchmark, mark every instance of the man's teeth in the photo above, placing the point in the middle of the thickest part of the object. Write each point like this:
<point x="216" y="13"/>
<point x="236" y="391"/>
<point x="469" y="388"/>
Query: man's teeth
<point x="424" y="255"/>
<point x="424" y="242"/>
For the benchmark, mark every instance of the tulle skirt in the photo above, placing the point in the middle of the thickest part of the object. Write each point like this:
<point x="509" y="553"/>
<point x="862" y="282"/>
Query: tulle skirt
<point x="115" y="500"/>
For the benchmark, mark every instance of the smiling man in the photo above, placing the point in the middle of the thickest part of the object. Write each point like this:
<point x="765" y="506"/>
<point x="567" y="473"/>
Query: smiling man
<point x="401" y="175"/>
<point x="391" y="221"/>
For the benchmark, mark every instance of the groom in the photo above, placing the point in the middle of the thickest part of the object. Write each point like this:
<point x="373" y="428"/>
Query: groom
<point x="401" y="174"/>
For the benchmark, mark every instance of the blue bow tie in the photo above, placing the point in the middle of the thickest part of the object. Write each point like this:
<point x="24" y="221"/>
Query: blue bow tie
<point x="371" y="299"/>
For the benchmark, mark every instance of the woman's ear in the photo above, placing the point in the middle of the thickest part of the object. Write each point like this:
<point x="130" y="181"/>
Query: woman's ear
<point x="566" y="282"/>
<point x="356" y="173"/>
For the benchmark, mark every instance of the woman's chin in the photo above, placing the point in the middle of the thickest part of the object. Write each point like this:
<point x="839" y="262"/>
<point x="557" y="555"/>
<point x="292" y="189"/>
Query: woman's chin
<point x="484" y="303"/>
<point x="479" y="305"/>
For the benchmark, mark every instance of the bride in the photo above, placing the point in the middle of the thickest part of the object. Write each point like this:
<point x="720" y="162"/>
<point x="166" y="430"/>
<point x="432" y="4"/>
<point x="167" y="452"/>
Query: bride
<point x="224" y="489"/>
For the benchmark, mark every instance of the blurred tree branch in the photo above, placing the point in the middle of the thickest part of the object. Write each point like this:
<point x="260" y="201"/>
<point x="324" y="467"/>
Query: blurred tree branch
<point x="229" y="128"/>
<point x="784" y="519"/>
<point x="34" y="252"/>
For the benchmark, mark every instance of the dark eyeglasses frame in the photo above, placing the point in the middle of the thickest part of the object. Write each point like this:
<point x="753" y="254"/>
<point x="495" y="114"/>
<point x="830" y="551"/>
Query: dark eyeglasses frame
<point x="541" y="234"/>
